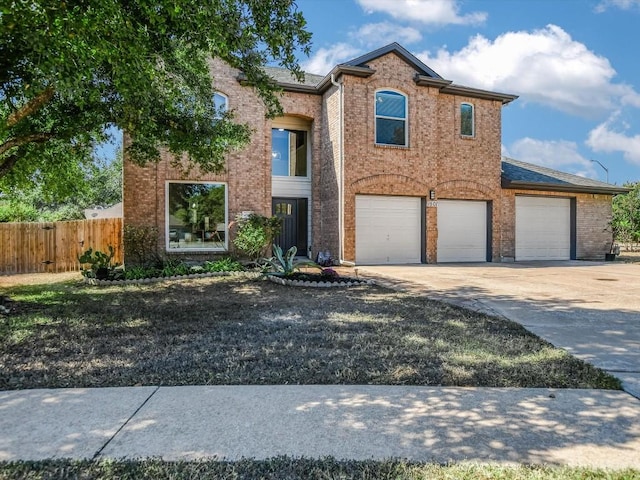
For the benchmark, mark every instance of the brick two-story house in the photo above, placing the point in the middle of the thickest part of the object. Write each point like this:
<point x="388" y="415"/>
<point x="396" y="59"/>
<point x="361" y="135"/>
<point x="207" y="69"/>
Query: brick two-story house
<point x="380" y="161"/>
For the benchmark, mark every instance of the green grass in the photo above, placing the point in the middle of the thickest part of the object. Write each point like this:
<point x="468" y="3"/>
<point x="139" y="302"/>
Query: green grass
<point x="238" y="331"/>
<point x="283" y="468"/>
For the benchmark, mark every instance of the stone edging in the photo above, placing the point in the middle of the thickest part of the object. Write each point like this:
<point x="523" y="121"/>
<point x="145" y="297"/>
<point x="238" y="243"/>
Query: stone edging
<point x="304" y="283"/>
<point x="95" y="281"/>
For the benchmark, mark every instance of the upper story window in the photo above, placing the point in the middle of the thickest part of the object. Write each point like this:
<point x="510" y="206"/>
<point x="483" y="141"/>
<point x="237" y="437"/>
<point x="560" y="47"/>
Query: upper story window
<point x="221" y="102"/>
<point x="391" y="118"/>
<point x="289" y="153"/>
<point x="467" y="123"/>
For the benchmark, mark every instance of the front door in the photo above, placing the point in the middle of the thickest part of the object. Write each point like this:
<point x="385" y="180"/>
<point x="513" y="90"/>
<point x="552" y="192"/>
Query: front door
<point x="293" y="212"/>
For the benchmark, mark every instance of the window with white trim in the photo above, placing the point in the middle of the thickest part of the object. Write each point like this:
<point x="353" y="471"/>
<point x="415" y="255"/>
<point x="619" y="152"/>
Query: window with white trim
<point x="391" y="118"/>
<point x="467" y="123"/>
<point x="221" y="102"/>
<point x="196" y="216"/>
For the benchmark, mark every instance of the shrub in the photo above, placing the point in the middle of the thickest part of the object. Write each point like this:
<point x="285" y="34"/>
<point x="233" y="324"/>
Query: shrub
<point x="226" y="264"/>
<point x="329" y="273"/>
<point x="140" y="272"/>
<point x="254" y="234"/>
<point x="141" y="245"/>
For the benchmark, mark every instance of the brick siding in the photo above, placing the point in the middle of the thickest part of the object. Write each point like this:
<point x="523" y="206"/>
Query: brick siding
<point x="437" y="158"/>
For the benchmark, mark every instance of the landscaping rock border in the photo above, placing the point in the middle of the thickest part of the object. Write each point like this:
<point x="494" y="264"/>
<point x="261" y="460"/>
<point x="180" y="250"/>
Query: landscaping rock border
<point x="352" y="282"/>
<point x="139" y="281"/>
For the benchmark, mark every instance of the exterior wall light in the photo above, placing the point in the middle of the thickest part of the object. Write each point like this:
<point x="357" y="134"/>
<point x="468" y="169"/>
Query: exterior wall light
<point x="432" y="194"/>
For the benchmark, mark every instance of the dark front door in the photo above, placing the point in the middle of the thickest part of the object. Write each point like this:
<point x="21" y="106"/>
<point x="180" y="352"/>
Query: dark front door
<point x="293" y="212"/>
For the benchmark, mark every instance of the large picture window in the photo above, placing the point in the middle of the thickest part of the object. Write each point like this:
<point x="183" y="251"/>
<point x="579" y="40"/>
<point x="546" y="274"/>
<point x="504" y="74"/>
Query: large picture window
<point x="467" y="128"/>
<point x="196" y="216"/>
<point x="391" y="118"/>
<point x="289" y="153"/>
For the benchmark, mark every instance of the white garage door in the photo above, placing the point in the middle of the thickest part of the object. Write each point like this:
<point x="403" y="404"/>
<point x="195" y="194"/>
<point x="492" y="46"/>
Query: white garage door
<point x="543" y="228"/>
<point x="462" y="231"/>
<point x="387" y="229"/>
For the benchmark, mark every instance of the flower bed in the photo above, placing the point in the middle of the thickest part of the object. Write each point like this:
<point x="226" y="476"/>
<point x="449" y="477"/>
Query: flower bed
<point x="95" y="281"/>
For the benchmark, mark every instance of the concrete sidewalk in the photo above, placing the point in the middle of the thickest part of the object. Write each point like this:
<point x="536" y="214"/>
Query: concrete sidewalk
<point x="568" y="427"/>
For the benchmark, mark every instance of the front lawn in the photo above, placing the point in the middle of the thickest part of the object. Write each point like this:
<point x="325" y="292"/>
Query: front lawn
<point x="238" y="331"/>
<point x="301" y="468"/>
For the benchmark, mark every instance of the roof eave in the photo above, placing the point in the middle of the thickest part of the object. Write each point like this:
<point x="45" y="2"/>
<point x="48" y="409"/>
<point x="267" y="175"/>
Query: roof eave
<point x="425" y="81"/>
<point x="343" y="69"/>
<point x="293" y="87"/>
<point x="554" y="187"/>
<point x="478" y="93"/>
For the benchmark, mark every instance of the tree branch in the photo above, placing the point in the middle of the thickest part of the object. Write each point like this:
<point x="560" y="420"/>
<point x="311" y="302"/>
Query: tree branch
<point x="19" y="141"/>
<point x="30" y="107"/>
<point x="7" y="164"/>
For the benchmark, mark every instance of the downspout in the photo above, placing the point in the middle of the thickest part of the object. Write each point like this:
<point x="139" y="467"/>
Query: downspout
<point x="341" y="260"/>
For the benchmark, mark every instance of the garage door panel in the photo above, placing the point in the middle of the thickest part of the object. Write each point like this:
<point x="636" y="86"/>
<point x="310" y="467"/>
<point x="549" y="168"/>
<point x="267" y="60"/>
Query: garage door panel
<point x="462" y="231"/>
<point x="388" y="229"/>
<point x="543" y="228"/>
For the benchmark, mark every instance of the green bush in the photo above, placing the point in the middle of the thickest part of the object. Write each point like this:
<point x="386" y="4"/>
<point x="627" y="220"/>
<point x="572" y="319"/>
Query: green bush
<point x="18" y="212"/>
<point x="226" y="264"/>
<point x="255" y="233"/>
<point x="140" y="272"/>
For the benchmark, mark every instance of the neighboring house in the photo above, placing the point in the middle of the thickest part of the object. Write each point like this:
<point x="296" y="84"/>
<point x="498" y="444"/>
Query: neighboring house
<point x="114" y="211"/>
<point x="380" y="161"/>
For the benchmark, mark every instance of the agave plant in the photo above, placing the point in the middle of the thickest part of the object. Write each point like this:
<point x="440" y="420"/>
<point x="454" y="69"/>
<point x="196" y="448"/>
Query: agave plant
<point x="285" y="263"/>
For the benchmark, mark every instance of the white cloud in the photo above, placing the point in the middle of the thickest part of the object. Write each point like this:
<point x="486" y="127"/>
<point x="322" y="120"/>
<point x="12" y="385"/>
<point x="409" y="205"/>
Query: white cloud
<point x="432" y="12"/>
<point x="325" y="59"/>
<point x="608" y="138"/>
<point x="379" y="34"/>
<point x="545" y="66"/>
<point x="557" y="154"/>
<point x="622" y="4"/>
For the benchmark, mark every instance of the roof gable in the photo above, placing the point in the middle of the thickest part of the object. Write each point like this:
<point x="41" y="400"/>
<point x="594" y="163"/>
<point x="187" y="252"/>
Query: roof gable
<point x="401" y="52"/>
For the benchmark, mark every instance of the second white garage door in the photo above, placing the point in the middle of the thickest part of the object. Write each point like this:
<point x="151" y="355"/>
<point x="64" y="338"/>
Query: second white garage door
<point x="388" y="229"/>
<point x="543" y="228"/>
<point x="462" y="231"/>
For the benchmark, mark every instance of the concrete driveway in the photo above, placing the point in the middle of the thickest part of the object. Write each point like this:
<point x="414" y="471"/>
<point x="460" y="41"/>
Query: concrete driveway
<point x="591" y="309"/>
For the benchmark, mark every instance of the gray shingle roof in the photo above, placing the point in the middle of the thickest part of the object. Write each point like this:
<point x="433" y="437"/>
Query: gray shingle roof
<point x="518" y="174"/>
<point x="282" y="75"/>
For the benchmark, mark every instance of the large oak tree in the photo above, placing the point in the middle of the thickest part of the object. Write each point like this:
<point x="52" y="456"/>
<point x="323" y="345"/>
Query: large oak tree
<point x="70" y="68"/>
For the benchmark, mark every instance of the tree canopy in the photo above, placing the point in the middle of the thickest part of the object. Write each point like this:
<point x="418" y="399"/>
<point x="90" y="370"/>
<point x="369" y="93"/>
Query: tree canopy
<point x="70" y="68"/>
<point x="99" y="184"/>
<point x="626" y="215"/>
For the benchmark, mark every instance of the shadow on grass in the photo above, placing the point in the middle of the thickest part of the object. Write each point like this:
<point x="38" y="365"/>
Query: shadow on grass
<point x="238" y="331"/>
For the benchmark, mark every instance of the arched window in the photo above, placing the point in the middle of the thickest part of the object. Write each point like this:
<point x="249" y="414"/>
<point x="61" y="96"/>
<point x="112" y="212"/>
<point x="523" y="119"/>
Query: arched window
<point x="467" y="123"/>
<point x="391" y="118"/>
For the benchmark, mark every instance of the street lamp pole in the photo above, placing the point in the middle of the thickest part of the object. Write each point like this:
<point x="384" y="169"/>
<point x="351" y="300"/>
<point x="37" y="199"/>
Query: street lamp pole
<point x="605" y="168"/>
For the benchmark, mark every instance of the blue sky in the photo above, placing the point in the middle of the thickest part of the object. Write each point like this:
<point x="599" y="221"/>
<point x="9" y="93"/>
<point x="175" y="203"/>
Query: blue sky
<point x="573" y="63"/>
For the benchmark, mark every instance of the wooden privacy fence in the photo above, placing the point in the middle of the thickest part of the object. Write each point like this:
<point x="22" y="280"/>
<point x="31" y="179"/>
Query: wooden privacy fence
<point x="55" y="246"/>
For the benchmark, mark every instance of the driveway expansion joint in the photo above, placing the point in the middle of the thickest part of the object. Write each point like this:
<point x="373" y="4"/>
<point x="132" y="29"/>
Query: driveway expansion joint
<point x="101" y="449"/>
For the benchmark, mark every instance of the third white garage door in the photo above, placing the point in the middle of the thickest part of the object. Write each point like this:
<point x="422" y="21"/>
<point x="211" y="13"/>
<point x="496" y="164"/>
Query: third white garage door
<point x="388" y="229"/>
<point x="462" y="231"/>
<point x="543" y="228"/>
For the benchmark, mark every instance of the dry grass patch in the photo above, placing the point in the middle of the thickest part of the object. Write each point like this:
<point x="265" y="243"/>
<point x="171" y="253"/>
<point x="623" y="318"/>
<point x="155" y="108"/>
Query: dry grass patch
<point x="297" y="468"/>
<point x="237" y="331"/>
